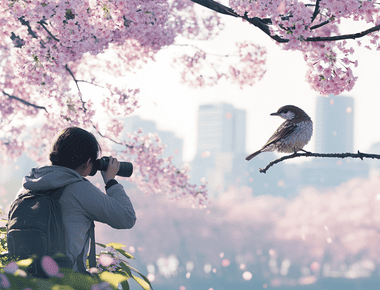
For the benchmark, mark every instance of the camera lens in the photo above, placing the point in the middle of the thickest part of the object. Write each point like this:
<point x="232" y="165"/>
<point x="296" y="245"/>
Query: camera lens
<point x="125" y="170"/>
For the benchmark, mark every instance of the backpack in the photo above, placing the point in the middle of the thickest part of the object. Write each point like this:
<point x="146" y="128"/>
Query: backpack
<point x="35" y="227"/>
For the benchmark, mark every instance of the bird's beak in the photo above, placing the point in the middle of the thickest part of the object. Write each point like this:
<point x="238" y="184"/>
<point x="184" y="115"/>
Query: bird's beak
<point x="274" y="114"/>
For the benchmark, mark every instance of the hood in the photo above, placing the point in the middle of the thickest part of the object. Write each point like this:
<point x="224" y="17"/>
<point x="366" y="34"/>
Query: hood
<point x="49" y="177"/>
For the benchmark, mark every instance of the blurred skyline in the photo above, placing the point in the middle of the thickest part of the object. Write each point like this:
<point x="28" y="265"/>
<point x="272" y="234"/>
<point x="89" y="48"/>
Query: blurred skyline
<point x="173" y="106"/>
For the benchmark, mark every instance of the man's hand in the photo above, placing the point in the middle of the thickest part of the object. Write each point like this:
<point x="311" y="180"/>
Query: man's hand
<point x="113" y="168"/>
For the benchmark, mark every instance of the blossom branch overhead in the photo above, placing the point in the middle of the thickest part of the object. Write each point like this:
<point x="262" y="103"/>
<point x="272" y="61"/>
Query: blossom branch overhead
<point x="262" y="24"/>
<point x="50" y="51"/>
<point x="312" y="29"/>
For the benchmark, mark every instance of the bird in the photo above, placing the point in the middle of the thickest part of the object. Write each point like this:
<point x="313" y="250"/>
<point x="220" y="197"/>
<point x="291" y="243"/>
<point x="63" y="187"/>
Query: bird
<point x="292" y="135"/>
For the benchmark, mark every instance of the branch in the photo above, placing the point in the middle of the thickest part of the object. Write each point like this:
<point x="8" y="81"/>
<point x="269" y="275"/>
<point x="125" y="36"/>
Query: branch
<point x="112" y="140"/>
<point x="327" y="155"/>
<point x="43" y="23"/>
<point x="80" y="93"/>
<point x="26" y="23"/>
<point x="217" y="7"/>
<point x="25" y="102"/>
<point x="262" y="23"/>
<point x="316" y="11"/>
<point x="320" y="25"/>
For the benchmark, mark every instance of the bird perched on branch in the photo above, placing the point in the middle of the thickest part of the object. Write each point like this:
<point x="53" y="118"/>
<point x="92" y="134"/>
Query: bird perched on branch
<point x="292" y="135"/>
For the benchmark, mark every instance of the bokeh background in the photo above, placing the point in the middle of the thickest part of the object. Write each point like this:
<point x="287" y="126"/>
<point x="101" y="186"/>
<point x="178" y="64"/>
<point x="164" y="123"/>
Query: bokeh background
<point x="305" y="224"/>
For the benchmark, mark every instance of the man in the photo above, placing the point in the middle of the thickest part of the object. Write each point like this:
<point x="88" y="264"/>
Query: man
<point x="72" y="157"/>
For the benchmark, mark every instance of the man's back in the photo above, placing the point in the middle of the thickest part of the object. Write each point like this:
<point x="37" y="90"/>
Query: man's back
<point x="81" y="204"/>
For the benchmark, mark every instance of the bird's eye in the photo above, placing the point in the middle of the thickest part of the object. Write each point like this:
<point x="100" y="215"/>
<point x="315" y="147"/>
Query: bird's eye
<point x="285" y="112"/>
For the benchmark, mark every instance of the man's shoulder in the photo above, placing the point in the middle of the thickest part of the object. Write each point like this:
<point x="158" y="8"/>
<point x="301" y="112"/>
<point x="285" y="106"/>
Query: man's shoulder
<point x="81" y="187"/>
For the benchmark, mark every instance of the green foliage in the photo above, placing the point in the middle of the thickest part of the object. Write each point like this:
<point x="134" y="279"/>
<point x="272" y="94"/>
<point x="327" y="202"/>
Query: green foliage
<point x="13" y="272"/>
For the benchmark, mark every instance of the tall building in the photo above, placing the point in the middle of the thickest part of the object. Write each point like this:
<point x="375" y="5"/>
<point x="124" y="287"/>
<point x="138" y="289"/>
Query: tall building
<point x="221" y="128"/>
<point x="334" y="124"/>
<point x="334" y="133"/>
<point x="220" y="145"/>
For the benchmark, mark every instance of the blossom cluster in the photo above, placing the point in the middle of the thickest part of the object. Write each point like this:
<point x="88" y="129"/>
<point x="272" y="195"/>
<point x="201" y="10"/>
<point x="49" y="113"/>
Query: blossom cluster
<point x="300" y="23"/>
<point x="155" y="174"/>
<point x="206" y="69"/>
<point x="109" y="260"/>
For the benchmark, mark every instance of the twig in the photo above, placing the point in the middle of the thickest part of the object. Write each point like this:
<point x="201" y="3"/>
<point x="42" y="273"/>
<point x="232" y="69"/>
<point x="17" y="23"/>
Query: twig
<point x="112" y="140"/>
<point x="42" y="23"/>
<point x="326" y="155"/>
<point x="320" y="25"/>
<point x="24" y="102"/>
<point x="72" y="75"/>
<point x="80" y="93"/>
<point x="316" y="11"/>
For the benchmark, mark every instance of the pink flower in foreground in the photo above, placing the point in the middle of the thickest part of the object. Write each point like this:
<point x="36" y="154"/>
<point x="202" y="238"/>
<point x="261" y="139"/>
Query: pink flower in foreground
<point x="4" y="282"/>
<point x="11" y="268"/>
<point x="105" y="260"/>
<point x="50" y="267"/>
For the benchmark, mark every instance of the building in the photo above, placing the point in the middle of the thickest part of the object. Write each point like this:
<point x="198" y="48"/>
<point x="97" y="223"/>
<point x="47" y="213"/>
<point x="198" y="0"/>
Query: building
<point x="334" y="124"/>
<point x="333" y="133"/>
<point x="221" y="128"/>
<point x="220" y="146"/>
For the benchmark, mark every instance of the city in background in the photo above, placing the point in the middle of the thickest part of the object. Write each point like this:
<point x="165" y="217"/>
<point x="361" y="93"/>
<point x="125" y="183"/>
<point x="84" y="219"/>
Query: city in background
<point x="240" y="239"/>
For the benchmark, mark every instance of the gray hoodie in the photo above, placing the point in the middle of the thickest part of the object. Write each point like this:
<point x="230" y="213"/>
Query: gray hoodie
<point x="82" y="203"/>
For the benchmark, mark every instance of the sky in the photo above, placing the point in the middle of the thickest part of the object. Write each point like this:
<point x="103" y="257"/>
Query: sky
<point x="173" y="106"/>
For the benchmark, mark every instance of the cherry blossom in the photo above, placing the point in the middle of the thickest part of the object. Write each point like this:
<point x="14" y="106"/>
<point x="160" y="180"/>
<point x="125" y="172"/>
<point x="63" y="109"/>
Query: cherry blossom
<point x="50" y="267"/>
<point x="50" y="50"/>
<point x="296" y="25"/>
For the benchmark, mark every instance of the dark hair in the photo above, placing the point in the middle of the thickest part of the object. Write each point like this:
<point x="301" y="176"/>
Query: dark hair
<point x="73" y="147"/>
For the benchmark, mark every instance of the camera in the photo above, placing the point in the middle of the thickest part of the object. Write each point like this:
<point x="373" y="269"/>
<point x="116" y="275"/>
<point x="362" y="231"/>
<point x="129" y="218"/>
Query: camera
<point x="125" y="170"/>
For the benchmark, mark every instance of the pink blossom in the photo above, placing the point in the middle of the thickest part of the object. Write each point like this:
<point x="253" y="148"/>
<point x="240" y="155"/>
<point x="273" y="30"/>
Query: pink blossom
<point x="11" y="268"/>
<point x="50" y="267"/>
<point x="105" y="260"/>
<point x="40" y="69"/>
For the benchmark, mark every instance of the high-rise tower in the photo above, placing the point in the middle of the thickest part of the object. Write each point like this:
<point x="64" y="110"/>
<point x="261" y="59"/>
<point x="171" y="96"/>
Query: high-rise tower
<point x="334" y="124"/>
<point x="220" y="145"/>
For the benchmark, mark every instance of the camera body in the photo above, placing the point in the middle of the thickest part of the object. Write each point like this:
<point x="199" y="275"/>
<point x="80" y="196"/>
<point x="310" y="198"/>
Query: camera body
<point x="125" y="170"/>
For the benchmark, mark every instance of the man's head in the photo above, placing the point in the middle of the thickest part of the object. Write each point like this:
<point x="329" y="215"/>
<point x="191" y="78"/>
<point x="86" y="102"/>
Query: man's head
<point x="74" y="147"/>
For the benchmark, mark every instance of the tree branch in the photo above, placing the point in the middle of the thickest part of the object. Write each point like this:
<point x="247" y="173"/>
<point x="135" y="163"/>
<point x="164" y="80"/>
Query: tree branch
<point x="112" y="140"/>
<point x="316" y="11"/>
<point x="43" y="23"/>
<point x="26" y="23"/>
<point x="320" y="25"/>
<point x="24" y="102"/>
<point x="262" y="23"/>
<point x="326" y="155"/>
<point x="80" y="93"/>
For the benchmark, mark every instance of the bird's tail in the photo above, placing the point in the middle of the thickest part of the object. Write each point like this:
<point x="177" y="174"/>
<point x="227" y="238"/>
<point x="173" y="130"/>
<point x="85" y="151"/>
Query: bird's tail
<point x="253" y="155"/>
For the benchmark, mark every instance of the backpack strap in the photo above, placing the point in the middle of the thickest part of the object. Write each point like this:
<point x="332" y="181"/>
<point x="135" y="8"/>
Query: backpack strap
<point x="92" y="256"/>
